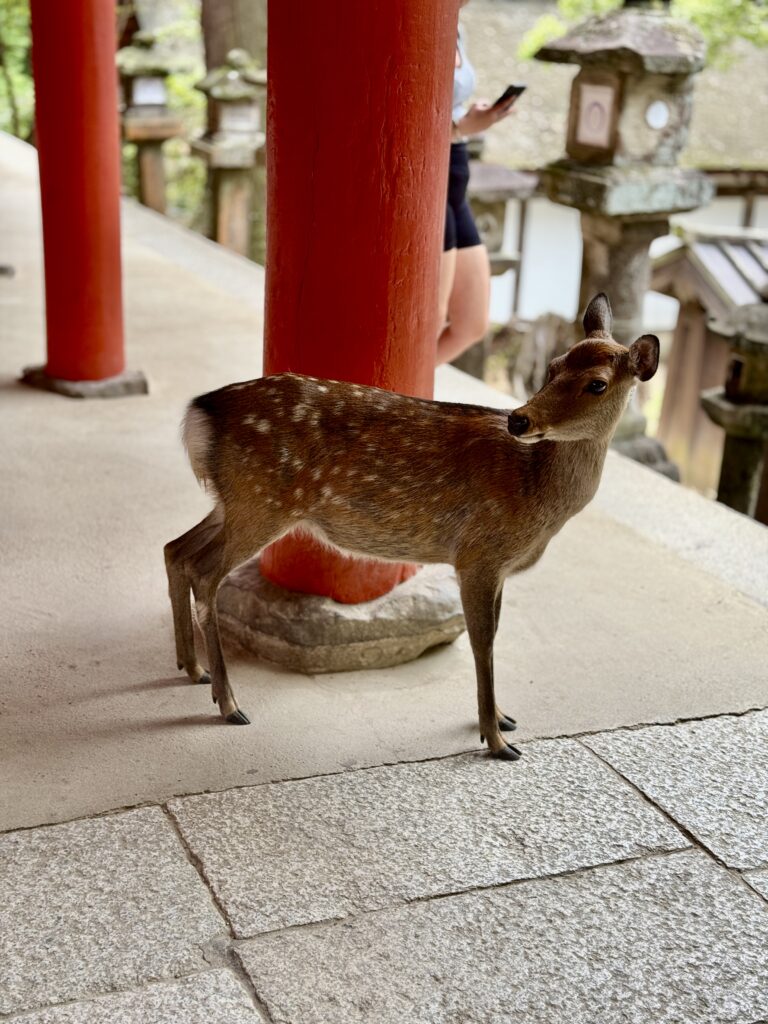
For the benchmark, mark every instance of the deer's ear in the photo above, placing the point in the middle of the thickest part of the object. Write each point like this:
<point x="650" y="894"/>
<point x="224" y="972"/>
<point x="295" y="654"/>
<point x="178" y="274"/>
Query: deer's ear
<point x="598" y="318"/>
<point x="644" y="356"/>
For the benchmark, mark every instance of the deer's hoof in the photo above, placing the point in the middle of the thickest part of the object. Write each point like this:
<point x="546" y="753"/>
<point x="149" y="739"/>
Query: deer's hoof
<point x="507" y="753"/>
<point x="238" y="718"/>
<point x="204" y="678"/>
<point x="507" y="724"/>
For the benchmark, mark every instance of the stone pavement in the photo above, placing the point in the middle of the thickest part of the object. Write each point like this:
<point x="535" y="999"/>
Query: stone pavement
<point x="619" y="877"/>
<point x="353" y="856"/>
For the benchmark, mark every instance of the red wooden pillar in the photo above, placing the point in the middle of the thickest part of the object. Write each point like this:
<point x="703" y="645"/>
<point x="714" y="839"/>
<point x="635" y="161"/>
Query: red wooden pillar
<point x="77" y="132"/>
<point x="359" y="122"/>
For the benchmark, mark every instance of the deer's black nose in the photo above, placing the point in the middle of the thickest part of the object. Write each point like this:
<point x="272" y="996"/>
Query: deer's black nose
<point x="518" y="424"/>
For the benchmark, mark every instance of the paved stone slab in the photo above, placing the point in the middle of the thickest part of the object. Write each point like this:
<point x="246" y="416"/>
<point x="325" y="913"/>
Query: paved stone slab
<point x="711" y="776"/>
<point x="669" y="940"/>
<point x="290" y="853"/>
<point x="93" y="906"/>
<point x="759" y="881"/>
<point x="211" y="998"/>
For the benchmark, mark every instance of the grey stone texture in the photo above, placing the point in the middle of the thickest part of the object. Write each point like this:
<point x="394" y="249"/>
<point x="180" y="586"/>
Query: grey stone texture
<point x="292" y="853"/>
<point x="211" y="998"/>
<point x="631" y="41"/>
<point x="93" y="906"/>
<point x="711" y="776"/>
<point x="312" y="634"/>
<point x="759" y="881"/>
<point x="704" y="533"/>
<point x="669" y="940"/>
<point x="624" y="191"/>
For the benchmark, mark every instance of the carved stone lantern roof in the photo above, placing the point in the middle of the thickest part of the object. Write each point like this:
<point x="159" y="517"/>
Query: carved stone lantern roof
<point x="238" y="79"/>
<point x="630" y="41"/>
<point x="141" y="59"/>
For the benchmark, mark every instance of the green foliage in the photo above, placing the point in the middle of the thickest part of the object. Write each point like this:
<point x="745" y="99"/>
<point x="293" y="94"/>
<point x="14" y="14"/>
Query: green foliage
<point x="16" y="91"/>
<point x="721" y="22"/>
<point x="185" y="174"/>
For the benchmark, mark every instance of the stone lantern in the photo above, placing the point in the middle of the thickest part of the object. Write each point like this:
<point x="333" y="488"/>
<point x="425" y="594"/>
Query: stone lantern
<point x="741" y="407"/>
<point x="628" y="121"/>
<point x="230" y="144"/>
<point x="146" y="120"/>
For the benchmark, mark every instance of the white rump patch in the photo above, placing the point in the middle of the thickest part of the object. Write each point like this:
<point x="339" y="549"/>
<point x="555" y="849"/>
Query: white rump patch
<point x="196" y="436"/>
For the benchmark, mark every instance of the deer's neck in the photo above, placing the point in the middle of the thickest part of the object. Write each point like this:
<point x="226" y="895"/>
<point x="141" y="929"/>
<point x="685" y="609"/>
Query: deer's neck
<point x="570" y="472"/>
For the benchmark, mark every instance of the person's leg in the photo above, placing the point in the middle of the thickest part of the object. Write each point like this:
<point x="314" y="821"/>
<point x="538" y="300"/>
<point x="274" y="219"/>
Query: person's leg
<point x="445" y="286"/>
<point x="468" y="303"/>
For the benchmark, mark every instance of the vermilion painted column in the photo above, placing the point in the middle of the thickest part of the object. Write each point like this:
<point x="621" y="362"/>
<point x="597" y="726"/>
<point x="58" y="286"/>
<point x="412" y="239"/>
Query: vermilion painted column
<point x="359" y="123"/>
<point x="77" y="132"/>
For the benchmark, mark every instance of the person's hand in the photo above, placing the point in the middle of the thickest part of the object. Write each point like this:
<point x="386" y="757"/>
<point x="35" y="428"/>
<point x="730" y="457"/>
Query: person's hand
<point x="481" y="116"/>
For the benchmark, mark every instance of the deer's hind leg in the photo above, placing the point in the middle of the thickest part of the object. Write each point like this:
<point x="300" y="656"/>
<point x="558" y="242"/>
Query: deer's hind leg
<point x="207" y="568"/>
<point x="178" y="555"/>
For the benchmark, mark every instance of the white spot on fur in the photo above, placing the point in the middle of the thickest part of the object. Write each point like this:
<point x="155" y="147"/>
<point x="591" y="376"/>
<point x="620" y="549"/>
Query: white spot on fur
<point x="299" y="492"/>
<point x="326" y="492"/>
<point x="297" y="464"/>
<point x="263" y="426"/>
<point x="322" y="388"/>
<point x="299" y="413"/>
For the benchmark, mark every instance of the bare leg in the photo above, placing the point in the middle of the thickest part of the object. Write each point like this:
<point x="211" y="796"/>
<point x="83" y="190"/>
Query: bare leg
<point x="445" y="286"/>
<point x="468" y="304"/>
<point x="478" y="596"/>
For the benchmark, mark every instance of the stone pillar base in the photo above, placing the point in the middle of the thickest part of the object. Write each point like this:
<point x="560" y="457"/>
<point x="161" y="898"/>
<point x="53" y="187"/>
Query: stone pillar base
<point x="313" y="634"/>
<point x="132" y="382"/>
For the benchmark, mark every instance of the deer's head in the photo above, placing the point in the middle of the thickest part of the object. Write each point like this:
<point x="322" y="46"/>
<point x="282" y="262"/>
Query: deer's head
<point x="586" y="389"/>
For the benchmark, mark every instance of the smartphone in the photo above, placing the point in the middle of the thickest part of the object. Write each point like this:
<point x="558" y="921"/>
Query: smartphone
<point x="510" y="93"/>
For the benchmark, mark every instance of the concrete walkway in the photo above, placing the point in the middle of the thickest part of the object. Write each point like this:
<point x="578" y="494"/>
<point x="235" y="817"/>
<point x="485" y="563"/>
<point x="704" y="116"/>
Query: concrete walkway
<point x="353" y="856"/>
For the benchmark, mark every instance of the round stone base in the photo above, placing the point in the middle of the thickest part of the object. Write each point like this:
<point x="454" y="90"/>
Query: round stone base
<point x="132" y="382"/>
<point x="313" y="634"/>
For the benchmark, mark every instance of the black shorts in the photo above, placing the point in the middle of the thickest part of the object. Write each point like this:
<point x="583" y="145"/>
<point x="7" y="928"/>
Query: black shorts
<point x="460" y="228"/>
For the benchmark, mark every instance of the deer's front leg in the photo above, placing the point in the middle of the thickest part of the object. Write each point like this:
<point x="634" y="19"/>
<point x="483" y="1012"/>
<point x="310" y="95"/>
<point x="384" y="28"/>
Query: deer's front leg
<point x="506" y="723"/>
<point x="479" y="595"/>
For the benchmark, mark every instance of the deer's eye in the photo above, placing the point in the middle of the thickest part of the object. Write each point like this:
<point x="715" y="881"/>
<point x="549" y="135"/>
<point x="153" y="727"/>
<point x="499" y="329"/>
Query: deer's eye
<point x="596" y="387"/>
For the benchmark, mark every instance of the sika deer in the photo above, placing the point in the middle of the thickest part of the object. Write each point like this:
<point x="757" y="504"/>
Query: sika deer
<point x="383" y="475"/>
